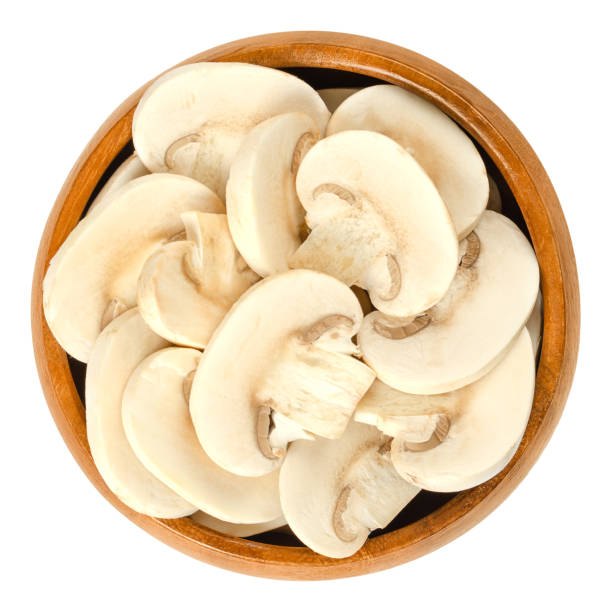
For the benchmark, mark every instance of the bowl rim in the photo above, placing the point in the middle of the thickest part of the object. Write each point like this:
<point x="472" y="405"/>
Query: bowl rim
<point x="535" y="195"/>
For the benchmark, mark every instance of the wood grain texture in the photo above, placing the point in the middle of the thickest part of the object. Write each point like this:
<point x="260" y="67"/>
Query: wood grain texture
<point x="539" y="205"/>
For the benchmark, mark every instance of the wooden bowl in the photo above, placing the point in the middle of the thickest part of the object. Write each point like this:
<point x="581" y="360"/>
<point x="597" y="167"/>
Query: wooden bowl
<point x="328" y="59"/>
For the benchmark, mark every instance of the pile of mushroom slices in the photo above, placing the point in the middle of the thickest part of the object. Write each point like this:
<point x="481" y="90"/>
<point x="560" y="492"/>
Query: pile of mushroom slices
<point x="217" y="285"/>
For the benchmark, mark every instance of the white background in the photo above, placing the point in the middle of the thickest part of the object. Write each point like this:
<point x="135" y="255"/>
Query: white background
<point x="66" y="66"/>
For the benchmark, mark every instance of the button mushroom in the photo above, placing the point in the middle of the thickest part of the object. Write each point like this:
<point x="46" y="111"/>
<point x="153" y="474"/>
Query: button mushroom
<point x="236" y="530"/>
<point x="444" y="151"/>
<point x="377" y="221"/>
<point x="123" y="344"/>
<point x="193" y="119"/>
<point x="460" y="439"/>
<point x="130" y="169"/>
<point x="158" y="426"/>
<point x="466" y="333"/>
<point x="93" y="275"/>
<point x="279" y="367"/>
<point x="264" y="214"/>
<point x="334" y="493"/>
<point x="187" y="286"/>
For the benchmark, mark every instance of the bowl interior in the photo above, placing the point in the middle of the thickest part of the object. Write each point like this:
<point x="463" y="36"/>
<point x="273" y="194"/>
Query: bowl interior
<point x="319" y="78"/>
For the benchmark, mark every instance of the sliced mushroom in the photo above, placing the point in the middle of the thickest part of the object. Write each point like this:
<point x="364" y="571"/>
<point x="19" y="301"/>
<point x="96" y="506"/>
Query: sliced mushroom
<point x="440" y="146"/>
<point x="264" y="214"/>
<point x="130" y="169"/>
<point x="334" y="96"/>
<point x="158" y="426"/>
<point x="187" y="286"/>
<point x="457" y="440"/>
<point x="123" y="344"/>
<point x="495" y="202"/>
<point x="377" y="221"/>
<point x="277" y="368"/>
<point x="100" y="261"/>
<point x="236" y="530"/>
<point x="335" y="492"/>
<point x="193" y="119"/>
<point x="469" y="330"/>
<point x="534" y="324"/>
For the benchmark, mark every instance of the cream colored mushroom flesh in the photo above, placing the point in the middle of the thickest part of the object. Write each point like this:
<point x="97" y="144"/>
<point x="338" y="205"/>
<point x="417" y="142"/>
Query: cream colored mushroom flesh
<point x="159" y="428"/>
<point x="467" y="332"/>
<point x="123" y="344"/>
<point x="377" y="221"/>
<point x="335" y="492"/>
<point x="460" y="439"/>
<point x="193" y="119"/>
<point x="439" y="145"/>
<point x="93" y="275"/>
<point x="265" y="216"/>
<point x="279" y="367"/>
<point x="186" y="287"/>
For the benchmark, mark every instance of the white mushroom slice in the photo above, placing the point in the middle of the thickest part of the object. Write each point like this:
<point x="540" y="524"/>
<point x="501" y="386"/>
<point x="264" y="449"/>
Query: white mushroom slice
<point x="158" y="426"/>
<point x="334" y="96"/>
<point x="439" y="145"/>
<point x="534" y="324"/>
<point x="187" y="286"/>
<point x="123" y="344"/>
<point x="264" y="214"/>
<point x="95" y="272"/>
<point x="495" y="202"/>
<point x="377" y="221"/>
<point x="278" y="367"/>
<point x="237" y="530"/>
<point x="130" y="169"/>
<point x="466" y="334"/>
<point x="457" y="440"/>
<point x="193" y="119"/>
<point x="335" y="492"/>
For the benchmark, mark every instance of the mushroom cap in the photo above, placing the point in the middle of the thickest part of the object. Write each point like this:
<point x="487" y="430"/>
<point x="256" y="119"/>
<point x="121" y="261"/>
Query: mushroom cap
<point x="186" y="287"/>
<point x="132" y="168"/>
<point x="121" y="346"/>
<point x="159" y="428"/>
<point x="440" y="146"/>
<point x="470" y="328"/>
<point x="264" y="213"/>
<point x="236" y="530"/>
<point x="257" y="357"/>
<point x="101" y="259"/>
<point x="370" y="204"/>
<point x="334" y="96"/>
<point x="196" y="116"/>
<point x="487" y="421"/>
<point x="350" y="480"/>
